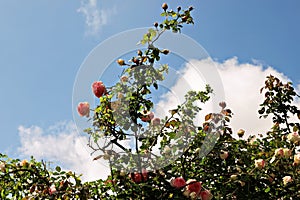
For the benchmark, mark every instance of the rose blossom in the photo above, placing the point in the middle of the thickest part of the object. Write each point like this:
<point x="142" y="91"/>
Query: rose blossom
<point x="98" y="88"/>
<point x="206" y="195"/>
<point x="287" y="152"/>
<point x="178" y="182"/>
<point x="83" y="109"/>
<point x="224" y="155"/>
<point x="297" y="158"/>
<point x="155" y="121"/>
<point x="52" y="189"/>
<point x="279" y="152"/>
<point x="148" y="117"/>
<point x="193" y="186"/>
<point x="293" y="137"/>
<point x="287" y="179"/>
<point x="260" y="163"/>
<point x="137" y="177"/>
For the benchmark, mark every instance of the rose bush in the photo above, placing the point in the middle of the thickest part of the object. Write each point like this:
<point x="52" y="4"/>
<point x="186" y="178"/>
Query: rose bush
<point x="263" y="167"/>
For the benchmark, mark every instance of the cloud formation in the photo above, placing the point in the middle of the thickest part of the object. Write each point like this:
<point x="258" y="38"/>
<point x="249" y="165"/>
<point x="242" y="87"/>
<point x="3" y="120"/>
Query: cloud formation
<point x="61" y="144"/>
<point x="95" y="18"/>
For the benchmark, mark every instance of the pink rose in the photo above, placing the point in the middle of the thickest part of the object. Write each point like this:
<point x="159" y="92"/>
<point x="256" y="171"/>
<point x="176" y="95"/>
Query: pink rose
<point x="98" y="88"/>
<point x="206" y="195"/>
<point x="287" y="179"/>
<point x="260" y="163"/>
<point x="52" y="189"/>
<point x="178" y="182"/>
<point x="279" y="152"/>
<point x="83" y="109"/>
<point x="193" y="186"/>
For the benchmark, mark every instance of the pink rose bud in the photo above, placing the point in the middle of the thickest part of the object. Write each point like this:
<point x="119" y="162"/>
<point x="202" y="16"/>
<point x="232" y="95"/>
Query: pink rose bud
<point x="287" y="179"/>
<point x="178" y="182"/>
<point x="193" y="186"/>
<point x="224" y="155"/>
<point x="260" y="163"/>
<point x="52" y="189"/>
<point x="206" y="195"/>
<point x="98" y="88"/>
<point x="83" y="109"/>
<point x="155" y="121"/>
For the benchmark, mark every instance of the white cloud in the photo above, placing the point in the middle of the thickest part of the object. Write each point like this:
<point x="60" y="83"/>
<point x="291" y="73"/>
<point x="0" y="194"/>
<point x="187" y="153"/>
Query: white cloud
<point x="241" y="82"/>
<point x="62" y="144"/>
<point x="95" y="18"/>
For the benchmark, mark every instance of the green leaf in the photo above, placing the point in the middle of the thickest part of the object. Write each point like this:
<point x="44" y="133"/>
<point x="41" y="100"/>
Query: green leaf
<point x="57" y="168"/>
<point x="267" y="189"/>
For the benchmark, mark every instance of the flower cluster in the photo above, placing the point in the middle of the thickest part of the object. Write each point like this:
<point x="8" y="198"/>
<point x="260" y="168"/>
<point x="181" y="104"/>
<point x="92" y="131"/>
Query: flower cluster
<point x="191" y="188"/>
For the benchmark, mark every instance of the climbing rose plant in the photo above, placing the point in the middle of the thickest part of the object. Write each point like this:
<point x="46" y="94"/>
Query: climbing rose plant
<point x="262" y="167"/>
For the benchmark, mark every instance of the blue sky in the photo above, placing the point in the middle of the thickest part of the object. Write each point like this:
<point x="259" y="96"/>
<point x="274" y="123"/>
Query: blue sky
<point x="43" y="43"/>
